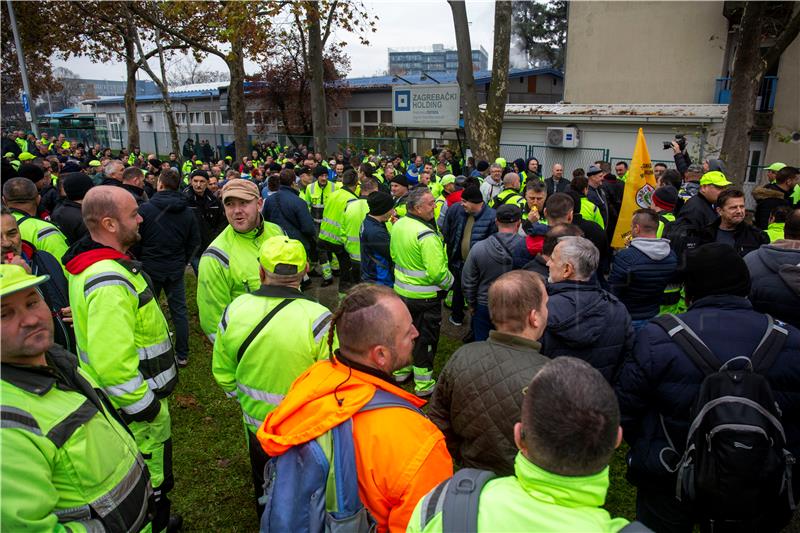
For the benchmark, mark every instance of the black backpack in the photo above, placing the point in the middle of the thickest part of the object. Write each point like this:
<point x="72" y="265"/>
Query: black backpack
<point x="458" y="499"/>
<point x="735" y="466"/>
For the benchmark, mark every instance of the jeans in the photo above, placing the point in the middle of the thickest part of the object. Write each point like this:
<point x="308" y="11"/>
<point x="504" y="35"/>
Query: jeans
<point x="195" y="262"/>
<point x="176" y="299"/>
<point x="481" y="323"/>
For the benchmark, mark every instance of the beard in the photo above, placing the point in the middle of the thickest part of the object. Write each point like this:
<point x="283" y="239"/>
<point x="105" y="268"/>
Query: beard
<point x="129" y="239"/>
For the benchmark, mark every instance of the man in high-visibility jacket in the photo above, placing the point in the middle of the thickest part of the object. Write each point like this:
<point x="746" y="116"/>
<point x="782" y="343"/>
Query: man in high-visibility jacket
<point x="509" y="194"/>
<point x="22" y="198"/>
<point x="67" y="462"/>
<point x="421" y="278"/>
<point x="254" y="360"/>
<point x="229" y="266"/>
<point x="331" y="232"/>
<point x="122" y="335"/>
<point x="316" y="194"/>
<point x="354" y="215"/>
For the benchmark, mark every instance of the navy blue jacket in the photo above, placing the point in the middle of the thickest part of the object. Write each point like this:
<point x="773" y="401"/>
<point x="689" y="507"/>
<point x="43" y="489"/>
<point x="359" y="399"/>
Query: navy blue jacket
<point x="376" y="261"/>
<point x="640" y="273"/>
<point x="286" y="209"/>
<point x="453" y="230"/>
<point x="587" y="322"/>
<point x="660" y="379"/>
<point x="170" y="236"/>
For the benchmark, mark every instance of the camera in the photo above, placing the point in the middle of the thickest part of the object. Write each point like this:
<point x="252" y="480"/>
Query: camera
<point x="680" y="139"/>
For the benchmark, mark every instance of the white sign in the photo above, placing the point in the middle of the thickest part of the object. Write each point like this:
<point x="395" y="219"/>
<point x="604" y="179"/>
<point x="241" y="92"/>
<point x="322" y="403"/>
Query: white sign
<point x="426" y="105"/>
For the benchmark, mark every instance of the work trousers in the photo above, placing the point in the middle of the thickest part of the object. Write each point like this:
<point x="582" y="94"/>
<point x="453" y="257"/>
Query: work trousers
<point x="258" y="462"/>
<point x="176" y="300"/>
<point x="154" y="440"/>
<point x="346" y="275"/>
<point x="426" y="315"/>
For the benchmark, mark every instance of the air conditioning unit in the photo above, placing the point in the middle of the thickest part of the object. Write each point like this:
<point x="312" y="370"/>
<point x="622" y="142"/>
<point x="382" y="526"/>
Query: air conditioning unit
<point x="147" y="118"/>
<point x="563" y="137"/>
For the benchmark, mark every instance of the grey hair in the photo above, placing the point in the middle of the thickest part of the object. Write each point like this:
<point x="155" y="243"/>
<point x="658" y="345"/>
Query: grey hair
<point x="414" y="197"/>
<point x="495" y="165"/>
<point x="581" y="253"/>
<point x="108" y="168"/>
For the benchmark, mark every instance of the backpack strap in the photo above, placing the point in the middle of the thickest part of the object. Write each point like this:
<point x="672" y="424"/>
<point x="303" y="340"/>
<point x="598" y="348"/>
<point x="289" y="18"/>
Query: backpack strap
<point x="635" y="527"/>
<point x="689" y="342"/>
<point x="769" y="347"/>
<point x="461" y="499"/>
<point x="383" y="398"/>
<point x="260" y="326"/>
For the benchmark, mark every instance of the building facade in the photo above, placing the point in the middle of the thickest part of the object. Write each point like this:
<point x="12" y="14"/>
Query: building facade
<point x="438" y="59"/>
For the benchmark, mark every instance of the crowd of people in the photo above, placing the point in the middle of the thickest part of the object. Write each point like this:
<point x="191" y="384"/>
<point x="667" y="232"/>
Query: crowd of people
<point x="683" y="344"/>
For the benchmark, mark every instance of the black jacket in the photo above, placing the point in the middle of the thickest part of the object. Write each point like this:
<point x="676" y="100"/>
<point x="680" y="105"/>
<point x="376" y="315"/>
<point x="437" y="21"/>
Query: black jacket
<point x="67" y="216"/>
<point x="376" y="260"/>
<point x="49" y="199"/>
<point x="698" y="212"/>
<point x="587" y="322"/>
<point x="768" y="198"/>
<point x="453" y="230"/>
<point x="775" y="280"/>
<point x="554" y="186"/>
<point x="658" y="383"/>
<point x="209" y="213"/>
<point x="746" y="237"/>
<point x="170" y="236"/>
<point x="286" y="209"/>
<point x="640" y="273"/>
<point x="593" y="232"/>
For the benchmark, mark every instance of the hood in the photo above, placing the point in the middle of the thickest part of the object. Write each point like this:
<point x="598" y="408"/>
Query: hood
<point x="765" y="191"/>
<point x="790" y="274"/>
<point x="566" y="491"/>
<point x="716" y="164"/>
<point x="169" y="201"/>
<point x="490" y="180"/>
<point x="692" y="187"/>
<point x="582" y="328"/>
<point x="311" y="407"/>
<point x="780" y="253"/>
<point x="498" y="246"/>
<point x="655" y="249"/>
<point x="86" y="252"/>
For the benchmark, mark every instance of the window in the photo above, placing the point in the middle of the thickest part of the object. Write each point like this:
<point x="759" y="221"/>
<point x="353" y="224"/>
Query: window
<point x="115" y="126"/>
<point x="209" y="117"/>
<point x="248" y="118"/>
<point x="369" y="126"/>
<point x="355" y="115"/>
<point x="224" y="118"/>
<point x="386" y="117"/>
<point x="180" y="118"/>
<point x="371" y="116"/>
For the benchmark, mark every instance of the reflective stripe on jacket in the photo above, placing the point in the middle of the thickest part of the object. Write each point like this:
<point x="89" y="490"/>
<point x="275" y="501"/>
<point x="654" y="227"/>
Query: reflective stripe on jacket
<point x="333" y="215"/>
<point x="420" y="263"/>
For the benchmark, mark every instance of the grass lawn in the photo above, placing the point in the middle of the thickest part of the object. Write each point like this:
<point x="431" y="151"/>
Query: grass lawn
<point x="213" y="489"/>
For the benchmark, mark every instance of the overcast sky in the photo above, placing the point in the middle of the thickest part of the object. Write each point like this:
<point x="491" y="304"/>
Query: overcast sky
<point x="406" y="24"/>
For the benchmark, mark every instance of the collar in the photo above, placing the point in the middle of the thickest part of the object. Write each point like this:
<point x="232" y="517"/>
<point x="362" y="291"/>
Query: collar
<point x="364" y="368"/>
<point x="281" y="291"/>
<point x="88" y="252"/>
<point x="35" y="379"/>
<point x="566" y="491"/>
<point x="255" y="232"/>
<point x="722" y="301"/>
<point x="509" y="339"/>
<point x="293" y="191"/>
<point x="428" y="223"/>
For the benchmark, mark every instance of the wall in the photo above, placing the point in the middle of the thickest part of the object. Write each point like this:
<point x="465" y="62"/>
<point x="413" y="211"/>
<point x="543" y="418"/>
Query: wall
<point x="644" y="52"/>
<point x="787" y="109"/>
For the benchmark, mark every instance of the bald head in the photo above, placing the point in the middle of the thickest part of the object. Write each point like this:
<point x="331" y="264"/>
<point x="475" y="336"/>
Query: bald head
<point x="518" y="303"/>
<point x="19" y="190"/>
<point x="112" y="217"/>
<point x="511" y="181"/>
<point x="102" y="202"/>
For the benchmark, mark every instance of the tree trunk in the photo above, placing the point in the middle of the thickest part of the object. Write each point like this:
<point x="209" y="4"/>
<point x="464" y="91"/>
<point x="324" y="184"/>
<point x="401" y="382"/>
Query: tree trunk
<point x="131" y="66"/>
<point x="319" y="113"/>
<point x="745" y="80"/>
<point x="236" y="101"/>
<point x="483" y="129"/>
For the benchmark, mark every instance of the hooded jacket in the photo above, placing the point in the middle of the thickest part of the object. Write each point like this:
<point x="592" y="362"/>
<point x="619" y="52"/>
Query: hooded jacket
<point x="286" y="209"/>
<point x="640" y="273"/>
<point x="775" y="280"/>
<point x="490" y="188"/>
<point x="585" y="321"/>
<point x="170" y="235"/>
<point x="395" y="468"/>
<point x="767" y="198"/>
<point x="67" y="216"/>
<point x="533" y="499"/>
<point x="453" y="230"/>
<point x="488" y="260"/>
<point x="210" y="215"/>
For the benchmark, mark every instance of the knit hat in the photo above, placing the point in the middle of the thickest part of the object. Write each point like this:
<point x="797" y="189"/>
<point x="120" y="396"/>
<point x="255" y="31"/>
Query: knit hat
<point x="379" y="203"/>
<point x="482" y="166"/>
<point x="508" y="214"/>
<point x="472" y="194"/>
<point x="201" y="173"/>
<point x="400" y="180"/>
<point x="71" y="166"/>
<point x="665" y="198"/>
<point x="319" y="171"/>
<point x="76" y="185"/>
<point x="715" y="268"/>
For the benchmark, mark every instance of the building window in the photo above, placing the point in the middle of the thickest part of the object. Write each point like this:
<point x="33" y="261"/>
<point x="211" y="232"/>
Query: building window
<point x="115" y="126"/>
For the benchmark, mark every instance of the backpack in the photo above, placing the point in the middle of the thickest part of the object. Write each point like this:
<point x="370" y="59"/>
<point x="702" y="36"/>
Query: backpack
<point x="458" y="498"/>
<point x="313" y="487"/>
<point x="735" y="465"/>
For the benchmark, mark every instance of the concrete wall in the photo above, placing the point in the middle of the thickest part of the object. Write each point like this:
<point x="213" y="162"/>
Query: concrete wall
<point x="644" y="52"/>
<point x="787" y="109"/>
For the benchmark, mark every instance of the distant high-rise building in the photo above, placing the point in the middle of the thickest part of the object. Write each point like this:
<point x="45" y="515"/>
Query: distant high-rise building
<point x="438" y="59"/>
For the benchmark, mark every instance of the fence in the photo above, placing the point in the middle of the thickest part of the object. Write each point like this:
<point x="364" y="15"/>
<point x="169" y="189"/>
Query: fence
<point x="569" y="158"/>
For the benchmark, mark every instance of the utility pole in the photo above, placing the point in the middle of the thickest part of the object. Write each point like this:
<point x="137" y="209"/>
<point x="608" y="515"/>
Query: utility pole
<point x="30" y="108"/>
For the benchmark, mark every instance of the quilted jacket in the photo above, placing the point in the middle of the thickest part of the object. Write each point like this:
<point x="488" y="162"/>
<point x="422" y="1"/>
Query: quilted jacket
<point x="478" y="399"/>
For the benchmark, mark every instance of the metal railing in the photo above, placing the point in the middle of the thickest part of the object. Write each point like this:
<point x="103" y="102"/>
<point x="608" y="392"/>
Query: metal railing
<point x="765" y="100"/>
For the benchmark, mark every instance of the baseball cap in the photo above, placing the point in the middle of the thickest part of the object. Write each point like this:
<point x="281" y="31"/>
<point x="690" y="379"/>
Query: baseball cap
<point x="500" y="161"/>
<point x="198" y="162"/>
<point x="447" y="179"/>
<point x="509" y="213"/>
<point x="26" y="156"/>
<point x="283" y="256"/>
<point x="239" y="188"/>
<point x="94" y="163"/>
<point x="13" y="278"/>
<point x="592" y="170"/>
<point x="716" y="178"/>
<point x="776" y="166"/>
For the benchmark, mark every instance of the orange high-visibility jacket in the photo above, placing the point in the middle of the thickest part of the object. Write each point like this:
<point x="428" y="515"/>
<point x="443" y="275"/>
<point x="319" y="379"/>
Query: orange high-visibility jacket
<point x="400" y="455"/>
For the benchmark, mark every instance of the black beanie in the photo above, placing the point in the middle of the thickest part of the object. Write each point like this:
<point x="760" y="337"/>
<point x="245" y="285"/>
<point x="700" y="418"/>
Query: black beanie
<point x="76" y="185"/>
<point x="715" y="268"/>
<point x="319" y="171"/>
<point x="482" y="166"/>
<point x="379" y="203"/>
<point x="400" y="179"/>
<point x="472" y="194"/>
<point x="32" y="172"/>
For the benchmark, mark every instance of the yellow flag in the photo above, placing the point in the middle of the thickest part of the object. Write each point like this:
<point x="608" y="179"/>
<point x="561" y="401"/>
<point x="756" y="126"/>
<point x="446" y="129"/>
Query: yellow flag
<point x="638" y="191"/>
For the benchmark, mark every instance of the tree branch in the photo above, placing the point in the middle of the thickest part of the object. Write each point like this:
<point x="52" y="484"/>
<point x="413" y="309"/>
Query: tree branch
<point x="328" y="23"/>
<point x="176" y="34"/>
<point x="787" y="36"/>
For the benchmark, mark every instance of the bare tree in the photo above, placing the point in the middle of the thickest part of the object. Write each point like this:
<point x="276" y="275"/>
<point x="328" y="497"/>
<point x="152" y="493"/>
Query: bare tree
<point x="750" y="64"/>
<point x="187" y="71"/>
<point x="483" y="128"/>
